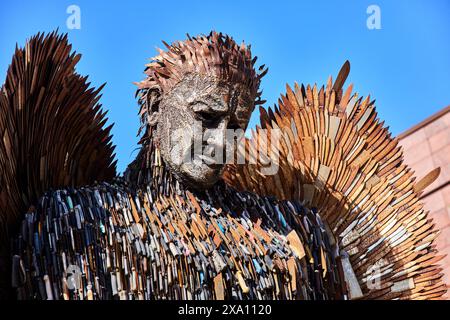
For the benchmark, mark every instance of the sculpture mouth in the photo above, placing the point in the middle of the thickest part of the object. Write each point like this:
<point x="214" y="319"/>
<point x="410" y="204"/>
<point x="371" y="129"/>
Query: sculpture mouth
<point x="209" y="158"/>
<point x="211" y="163"/>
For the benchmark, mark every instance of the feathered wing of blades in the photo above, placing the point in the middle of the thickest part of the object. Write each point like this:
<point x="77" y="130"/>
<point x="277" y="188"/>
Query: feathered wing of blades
<point x="52" y="127"/>
<point x="334" y="154"/>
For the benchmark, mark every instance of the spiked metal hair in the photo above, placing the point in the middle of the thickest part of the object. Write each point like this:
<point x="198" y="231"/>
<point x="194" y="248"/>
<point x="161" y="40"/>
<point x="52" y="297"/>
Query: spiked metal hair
<point x="215" y="55"/>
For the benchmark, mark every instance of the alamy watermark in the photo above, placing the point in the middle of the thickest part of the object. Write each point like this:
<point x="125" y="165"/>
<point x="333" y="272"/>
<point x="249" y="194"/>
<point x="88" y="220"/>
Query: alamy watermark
<point x="373" y="21"/>
<point x="374" y="275"/>
<point x="74" y="19"/>
<point x="73" y="276"/>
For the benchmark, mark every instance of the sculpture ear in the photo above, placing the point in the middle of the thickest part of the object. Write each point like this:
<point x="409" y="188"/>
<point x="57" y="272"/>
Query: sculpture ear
<point x="153" y="118"/>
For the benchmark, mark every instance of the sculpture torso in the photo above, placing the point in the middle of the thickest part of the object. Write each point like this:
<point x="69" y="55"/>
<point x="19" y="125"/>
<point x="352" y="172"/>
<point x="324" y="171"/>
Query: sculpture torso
<point x="219" y="244"/>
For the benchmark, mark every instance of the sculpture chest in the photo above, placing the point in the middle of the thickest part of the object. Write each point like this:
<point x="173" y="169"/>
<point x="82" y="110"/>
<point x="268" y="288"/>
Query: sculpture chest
<point x="124" y="245"/>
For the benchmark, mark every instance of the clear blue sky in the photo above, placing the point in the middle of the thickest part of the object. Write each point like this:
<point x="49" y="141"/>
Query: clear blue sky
<point x="405" y="65"/>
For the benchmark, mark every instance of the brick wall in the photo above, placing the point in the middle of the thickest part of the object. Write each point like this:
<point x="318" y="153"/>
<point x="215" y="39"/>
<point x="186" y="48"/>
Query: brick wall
<point x="427" y="146"/>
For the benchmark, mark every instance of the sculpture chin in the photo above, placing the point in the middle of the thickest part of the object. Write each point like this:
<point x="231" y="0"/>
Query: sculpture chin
<point x="198" y="171"/>
<point x="198" y="175"/>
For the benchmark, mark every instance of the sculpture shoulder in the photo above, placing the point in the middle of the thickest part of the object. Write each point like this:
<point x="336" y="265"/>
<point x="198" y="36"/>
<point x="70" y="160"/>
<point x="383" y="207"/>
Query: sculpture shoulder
<point x="60" y="228"/>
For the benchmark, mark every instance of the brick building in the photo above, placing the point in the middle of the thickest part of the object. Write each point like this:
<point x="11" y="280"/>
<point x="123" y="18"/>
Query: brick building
<point x="427" y="146"/>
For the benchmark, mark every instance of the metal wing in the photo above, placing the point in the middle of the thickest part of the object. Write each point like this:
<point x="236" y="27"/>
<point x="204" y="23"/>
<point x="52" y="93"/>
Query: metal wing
<point x="335" y="154"/>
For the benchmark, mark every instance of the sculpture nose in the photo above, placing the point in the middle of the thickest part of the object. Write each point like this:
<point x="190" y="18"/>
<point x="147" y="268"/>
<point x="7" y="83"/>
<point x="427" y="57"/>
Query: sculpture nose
<point x="215" y="139"/>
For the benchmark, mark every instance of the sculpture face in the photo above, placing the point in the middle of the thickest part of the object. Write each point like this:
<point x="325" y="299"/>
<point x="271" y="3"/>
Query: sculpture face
<point x="192" y="124"/>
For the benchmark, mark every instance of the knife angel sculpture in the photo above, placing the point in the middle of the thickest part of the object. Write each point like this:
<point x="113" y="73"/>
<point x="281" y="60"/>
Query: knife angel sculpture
<point x="340" y="219"/>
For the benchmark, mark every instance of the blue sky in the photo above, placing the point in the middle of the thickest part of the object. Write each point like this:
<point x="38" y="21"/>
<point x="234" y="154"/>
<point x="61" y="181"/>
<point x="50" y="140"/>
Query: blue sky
<point x="405" y="65"/>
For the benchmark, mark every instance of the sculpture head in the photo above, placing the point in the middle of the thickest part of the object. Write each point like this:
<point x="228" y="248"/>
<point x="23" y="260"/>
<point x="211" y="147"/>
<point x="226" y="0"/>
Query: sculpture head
<point x="194" y="92"/>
